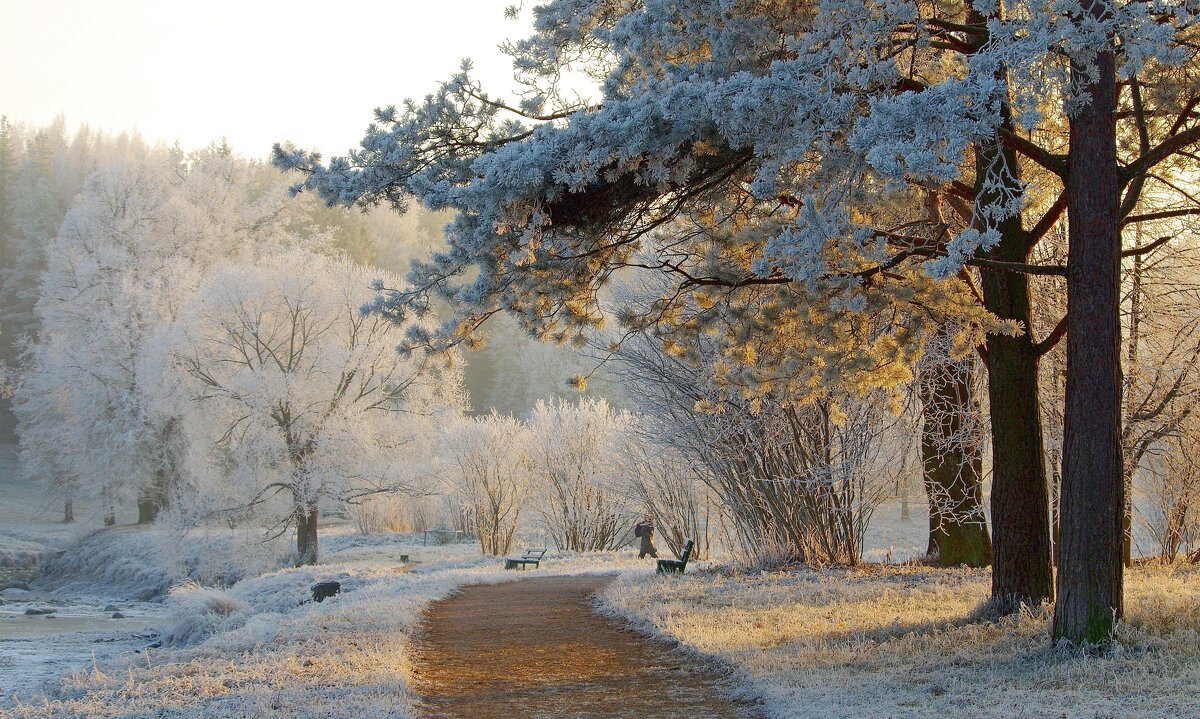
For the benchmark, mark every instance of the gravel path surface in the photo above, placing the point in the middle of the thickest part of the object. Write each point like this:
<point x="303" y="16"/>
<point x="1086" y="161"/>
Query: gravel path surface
<point x="536" y="648"/>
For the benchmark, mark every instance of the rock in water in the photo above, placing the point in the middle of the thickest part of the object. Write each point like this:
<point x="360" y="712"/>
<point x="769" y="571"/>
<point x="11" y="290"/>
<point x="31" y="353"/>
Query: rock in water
<point x="37" y="612"/>
<point x="118" y="615"/>
<point x="14" y="585"/>
<point x="111" y="608"/>
<point x="324" y="590"/>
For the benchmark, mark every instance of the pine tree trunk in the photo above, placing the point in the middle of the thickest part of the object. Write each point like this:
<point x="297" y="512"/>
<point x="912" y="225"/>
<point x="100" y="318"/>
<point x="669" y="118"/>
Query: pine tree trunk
<point x="68" y="510"/>
<point x="952" y="463"/>
<point x="1021" y="568"/>
<point x="1090" y="575"/>
<point x="1020" y="502"/>
<point x="306" y="535"/>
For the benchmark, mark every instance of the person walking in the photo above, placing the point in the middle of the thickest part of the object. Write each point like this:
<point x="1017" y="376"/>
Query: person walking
<point x="644" y="530"/>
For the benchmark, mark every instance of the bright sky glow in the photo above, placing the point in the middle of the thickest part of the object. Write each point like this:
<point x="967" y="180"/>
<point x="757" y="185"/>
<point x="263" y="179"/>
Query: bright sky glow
<point x="253" y="71"/>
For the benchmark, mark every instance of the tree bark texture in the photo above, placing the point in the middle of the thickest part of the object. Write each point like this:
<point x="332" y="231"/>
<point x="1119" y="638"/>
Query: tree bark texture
<point x="1021" y="568"/>
<point x="1090" y="574"/>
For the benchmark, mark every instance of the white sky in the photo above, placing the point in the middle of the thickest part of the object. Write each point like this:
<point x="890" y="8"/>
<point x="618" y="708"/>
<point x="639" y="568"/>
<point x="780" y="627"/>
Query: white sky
<point x="253" y="71"/>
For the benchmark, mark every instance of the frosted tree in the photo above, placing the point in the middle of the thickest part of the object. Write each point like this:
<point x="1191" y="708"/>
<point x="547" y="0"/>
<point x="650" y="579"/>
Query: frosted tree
<point x="575" y="451"/>
<point x="486" y="461"/>
<point x="295" y="396"/>
<point x="825" y="120"/>
<point x="134" y="245"/>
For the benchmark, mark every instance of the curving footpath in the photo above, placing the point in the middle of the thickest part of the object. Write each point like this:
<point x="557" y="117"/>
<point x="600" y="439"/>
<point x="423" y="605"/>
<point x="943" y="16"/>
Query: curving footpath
<point x="535" y="648"/>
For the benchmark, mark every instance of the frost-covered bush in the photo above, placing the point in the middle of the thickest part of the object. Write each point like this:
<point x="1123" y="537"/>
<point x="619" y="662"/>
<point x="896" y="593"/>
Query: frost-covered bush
<point x="144" y="563"/>
<point x="663" y="483"/>
<point x="1171" y="491"/>
<point x="575" y="457"/>
<point x="796" y="483"/>
<point x="486" y="461"/>
<point x="117" y="562"/>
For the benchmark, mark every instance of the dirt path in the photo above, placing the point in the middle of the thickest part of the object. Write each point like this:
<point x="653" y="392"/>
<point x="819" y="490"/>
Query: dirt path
<point x="535" y="648"/>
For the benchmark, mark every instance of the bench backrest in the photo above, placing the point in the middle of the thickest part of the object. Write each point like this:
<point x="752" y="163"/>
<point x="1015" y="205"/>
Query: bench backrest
<point x="687" y="551"/>
<point x="534" y="553"/>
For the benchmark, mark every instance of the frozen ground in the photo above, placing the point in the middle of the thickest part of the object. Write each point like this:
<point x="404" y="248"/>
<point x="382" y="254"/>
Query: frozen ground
<point x="895" y="642"/>
<point x="259" y="648"/>
<point x="875" y="641"/>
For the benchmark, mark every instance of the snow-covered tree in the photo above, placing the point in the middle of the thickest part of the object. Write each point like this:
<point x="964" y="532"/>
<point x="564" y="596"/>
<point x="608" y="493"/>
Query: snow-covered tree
<point x="295" y="396"/>
<point x="486" y="462"/>
<point x="141" y="234"/>
<point x="982" y="122"/>
<point x="575" y="452"/>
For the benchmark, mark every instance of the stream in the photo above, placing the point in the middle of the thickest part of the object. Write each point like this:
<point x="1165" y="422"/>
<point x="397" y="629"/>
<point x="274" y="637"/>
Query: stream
<point x="65" y="635"/>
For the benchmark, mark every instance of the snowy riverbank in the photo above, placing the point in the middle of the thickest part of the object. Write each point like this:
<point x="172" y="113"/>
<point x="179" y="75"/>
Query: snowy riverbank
<point x="259" y="648"/>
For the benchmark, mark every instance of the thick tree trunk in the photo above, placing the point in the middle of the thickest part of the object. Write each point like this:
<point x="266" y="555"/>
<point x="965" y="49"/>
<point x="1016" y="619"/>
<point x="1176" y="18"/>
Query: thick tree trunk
<point x="1091" y="573"/>
<point x="306" y="535"/>
<point x="1021" y="570"/>
<point x="952" y="461"/>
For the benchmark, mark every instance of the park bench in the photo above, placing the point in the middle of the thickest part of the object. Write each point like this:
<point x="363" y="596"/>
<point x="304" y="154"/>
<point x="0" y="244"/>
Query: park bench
<point x="532" y="555"/>
<point x="677" y="565"/>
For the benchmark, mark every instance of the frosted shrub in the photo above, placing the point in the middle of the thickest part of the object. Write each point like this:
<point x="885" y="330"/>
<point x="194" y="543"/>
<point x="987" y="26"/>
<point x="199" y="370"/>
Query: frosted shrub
<point x="661" y="481"/>
<point x="576" y="468"/>
<point x="797" y="483"/>
<point x="388" y="514"/>
<point x="1172" y="491"/>
<point x="487" y="464"/>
